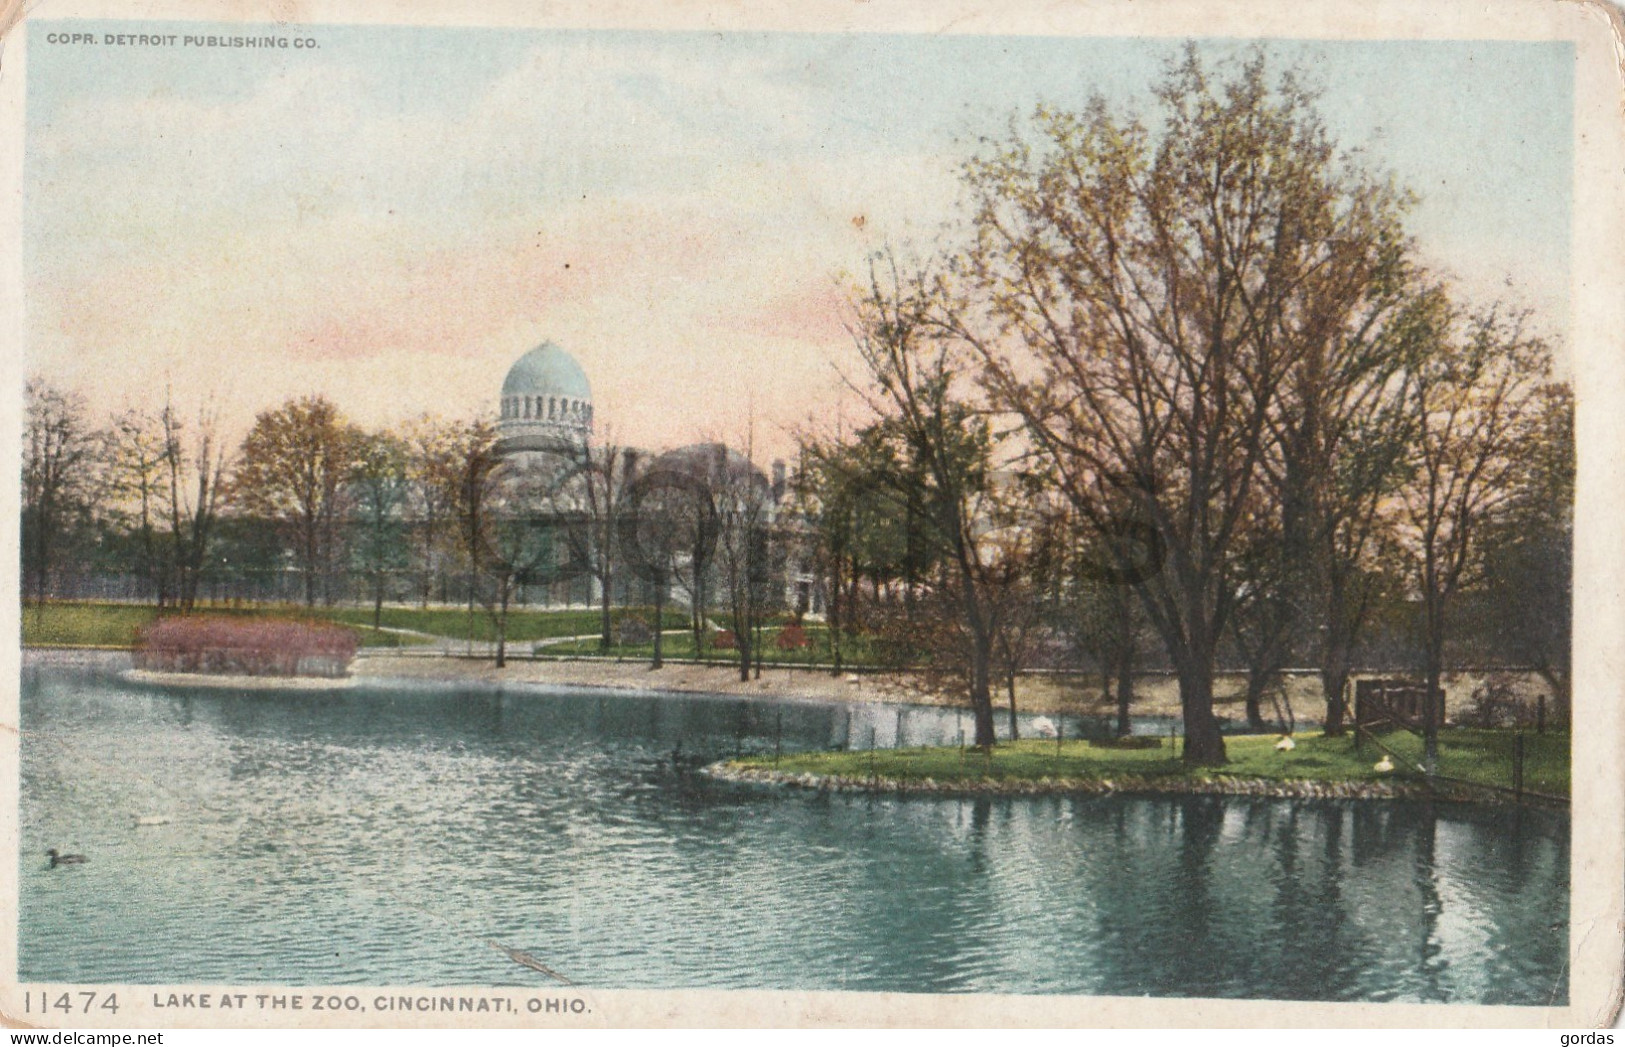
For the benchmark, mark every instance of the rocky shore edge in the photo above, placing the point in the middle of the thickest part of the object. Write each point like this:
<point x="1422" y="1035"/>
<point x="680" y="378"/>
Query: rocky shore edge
<point x="1128" y="785"/>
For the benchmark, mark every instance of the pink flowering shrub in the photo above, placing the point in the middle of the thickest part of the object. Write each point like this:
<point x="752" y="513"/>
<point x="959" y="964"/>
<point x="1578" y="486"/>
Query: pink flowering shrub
<point x="244" y="646"/>
<point x="792" y="638"/>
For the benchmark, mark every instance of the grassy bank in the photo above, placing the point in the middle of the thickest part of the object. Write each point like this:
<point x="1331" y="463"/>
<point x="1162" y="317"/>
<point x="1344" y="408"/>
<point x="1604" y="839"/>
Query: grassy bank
<point x="523" y="625"/>
<point x="92" y="624"/>
<point x="116" y="625"/>
<point x="1476" y="756"/>
<point x="859" y="651"/>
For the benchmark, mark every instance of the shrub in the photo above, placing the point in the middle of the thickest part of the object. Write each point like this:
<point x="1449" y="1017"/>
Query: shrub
<point x="792" y="638"/>
<point x="632" y="631"/>
<point x="244" y="646"/>
<point x="1496" y="703"/>
<point x="723" y="640"/>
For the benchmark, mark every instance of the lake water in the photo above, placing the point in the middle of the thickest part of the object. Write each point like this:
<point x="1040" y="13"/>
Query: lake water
<point x="385" y="834"/>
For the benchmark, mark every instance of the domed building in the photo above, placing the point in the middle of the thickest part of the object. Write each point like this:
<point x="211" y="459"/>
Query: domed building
<point x="546" y="403"/>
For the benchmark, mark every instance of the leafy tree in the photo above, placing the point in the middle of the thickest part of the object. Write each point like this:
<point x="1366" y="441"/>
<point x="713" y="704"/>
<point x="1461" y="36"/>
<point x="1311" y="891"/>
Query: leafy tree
<point x="1090" y="603"/>
<point x="946" y="447"/>
<point x="1527" y="597"/>
<point x="432" y="455"/>
<point x="469" y="466"/>
<point x="1141" y="294"/>
<point x="378" y="485"/>
<point x="294" y="464"/>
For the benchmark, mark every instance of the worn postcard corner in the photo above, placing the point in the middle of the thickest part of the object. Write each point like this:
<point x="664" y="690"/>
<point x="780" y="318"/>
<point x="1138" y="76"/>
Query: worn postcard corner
<point x="834" y="515"/>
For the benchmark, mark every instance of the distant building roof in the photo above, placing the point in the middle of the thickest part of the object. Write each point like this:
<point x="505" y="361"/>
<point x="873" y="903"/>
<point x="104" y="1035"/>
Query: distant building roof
<point x="547" y="370"/>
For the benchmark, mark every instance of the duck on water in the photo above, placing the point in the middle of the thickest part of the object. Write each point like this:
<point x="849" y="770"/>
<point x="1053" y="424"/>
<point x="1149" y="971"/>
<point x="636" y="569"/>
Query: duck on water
<point x="65" y="859"/>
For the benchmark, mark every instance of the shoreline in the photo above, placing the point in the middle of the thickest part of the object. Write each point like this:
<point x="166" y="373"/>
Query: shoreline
<point x="239" y="682"/>
<point x="802" y="685"/>
<point x="734" y="773"/>
<point x="1035" y="695"/>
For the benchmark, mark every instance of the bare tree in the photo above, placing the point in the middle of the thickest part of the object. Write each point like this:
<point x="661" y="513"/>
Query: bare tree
<point x="744" y="502"/>
<point x="136" y="478"/>
<point x="195" y="467"/>
<point x="61" y="459"/>
<point x="1476" y="401"/>
<point x="518" y="522"/>
<point x="666" y="525"/>
<point x="605" y="471"/>
<point x="472" y="460"/>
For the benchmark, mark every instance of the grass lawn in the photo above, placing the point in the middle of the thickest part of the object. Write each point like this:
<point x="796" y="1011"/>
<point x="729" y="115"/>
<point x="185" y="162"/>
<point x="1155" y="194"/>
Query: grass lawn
<point x="523" y="625"/>
<point x="85" y="624"/>
<point x="1484" y="757"/>
<point x="116" y="625"/>
<point x="854" y="651"/>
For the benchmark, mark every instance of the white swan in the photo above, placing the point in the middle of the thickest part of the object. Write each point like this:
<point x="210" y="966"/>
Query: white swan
<point x="1286" y="744"/>
<point x="1383" y="765"/>
<point x="1044" y="727"/>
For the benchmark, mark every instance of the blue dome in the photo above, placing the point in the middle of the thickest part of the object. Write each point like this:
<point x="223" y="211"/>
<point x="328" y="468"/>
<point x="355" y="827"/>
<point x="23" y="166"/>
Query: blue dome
<point x="547" y="370"/>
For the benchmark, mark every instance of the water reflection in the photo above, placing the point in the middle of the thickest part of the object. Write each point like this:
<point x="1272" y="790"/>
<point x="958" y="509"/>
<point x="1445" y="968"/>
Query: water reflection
<point x="382" y="834"/>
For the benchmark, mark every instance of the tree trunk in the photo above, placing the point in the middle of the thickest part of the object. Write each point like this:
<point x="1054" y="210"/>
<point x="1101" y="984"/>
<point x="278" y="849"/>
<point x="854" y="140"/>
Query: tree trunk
<point x="1257" y="681"/>
<point x="310" y="570"/>
<point x="502" y="624"/>
<point x="1204" y="745"/>
<point x="834" y="618"/>
<point x="1010" y="685"/>
<point x="1432" y="704"/>
<point x="1432" y="707"/>
<point x="604" y="634"/>
<point x="660" y="617"/>
<point x="1125" y="687"/>
<point x="1334" y="675"/>
<point x="377" y="601"/>
<point x="981" y="694"/>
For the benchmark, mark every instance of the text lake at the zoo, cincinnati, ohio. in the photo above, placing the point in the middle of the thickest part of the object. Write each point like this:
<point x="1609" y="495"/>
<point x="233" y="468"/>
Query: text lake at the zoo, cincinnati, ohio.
<point x="390" y="834"/>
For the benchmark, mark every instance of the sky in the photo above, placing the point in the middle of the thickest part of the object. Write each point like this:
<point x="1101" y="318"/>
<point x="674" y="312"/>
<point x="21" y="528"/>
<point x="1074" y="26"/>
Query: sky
<point x="393" y="216"/>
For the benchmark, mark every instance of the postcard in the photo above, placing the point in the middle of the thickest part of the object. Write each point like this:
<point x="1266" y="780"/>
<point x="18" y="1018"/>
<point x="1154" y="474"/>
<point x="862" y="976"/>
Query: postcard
<point x="831" y="514"/>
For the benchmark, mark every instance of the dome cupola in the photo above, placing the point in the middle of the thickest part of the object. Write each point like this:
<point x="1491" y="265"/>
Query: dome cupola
<point x="546" y="402"/>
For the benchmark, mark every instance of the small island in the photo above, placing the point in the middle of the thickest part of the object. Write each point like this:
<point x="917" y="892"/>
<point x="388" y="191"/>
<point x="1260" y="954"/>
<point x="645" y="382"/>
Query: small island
<point x="243" y="652"/>
<point x="1477" y="766"/>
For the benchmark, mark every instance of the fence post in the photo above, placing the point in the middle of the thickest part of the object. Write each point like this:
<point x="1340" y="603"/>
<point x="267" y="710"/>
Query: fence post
<point x="778" y="737"/>
<point x="1060" y="732"/>
<point x="873" y="774"/>
<point x="846" y="737"/>
<point x="897" y="742"/>
<point x="1540" y="714"/>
